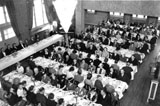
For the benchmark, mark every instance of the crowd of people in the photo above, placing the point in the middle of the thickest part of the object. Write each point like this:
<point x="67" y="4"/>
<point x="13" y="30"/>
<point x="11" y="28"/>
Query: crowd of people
<point x="17" y="93"/>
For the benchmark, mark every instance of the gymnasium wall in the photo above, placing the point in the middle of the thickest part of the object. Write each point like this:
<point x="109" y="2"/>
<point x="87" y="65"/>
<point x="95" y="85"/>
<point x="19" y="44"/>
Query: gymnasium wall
<point x="147" y="8"/>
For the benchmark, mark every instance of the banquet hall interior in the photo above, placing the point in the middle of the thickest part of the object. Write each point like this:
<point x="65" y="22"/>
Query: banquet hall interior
<point x="79" y="53"/>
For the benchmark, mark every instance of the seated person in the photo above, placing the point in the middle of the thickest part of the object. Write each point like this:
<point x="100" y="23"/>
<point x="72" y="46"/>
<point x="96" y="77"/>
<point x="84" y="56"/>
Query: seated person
<point x="91" y="49"/>
<point x="115" y="65"/>
<point x="73" y="55"/>
<point x="100" y="69"/>
<point x="14" y="48"/>
<point x="82" y="46"/>
<point x="78" y="78"/>
<point x="96" y="62"/>
<point x="38" y="73"/>
<point x="46" y="78"/>
<point x="70" y="73"/>
<point x="31" y="97"/>
<point x="75" y="63"/>
<point x="105" y="53"/>
<point x="20" y="68"/>
<point x="124" y="76"/>
<point x="133" y="61"/>
<point x="50" y="100"/>
<point x="98" y="83"/>
<point x="40" y="97"/>
<point x="88" y="60"/>
<point x="8" y="49"/>
<point x="88" y="82"/>
<point x="46" y="53"/>
<point x="54" y="80"/>
<point x="145" y="48"/>
<point x="84" y="65"/>
<point x="60" y="102"/>
<point x="2" y="53"/>
<point x="127" y="69"/>
<point x="92" y="95"/>
<point x="67" y="60"/>
<point x="104" y="98"/>
<point x="29" y="71"/>
<point x="115" y="56"/>
<point x="21" y="45"/>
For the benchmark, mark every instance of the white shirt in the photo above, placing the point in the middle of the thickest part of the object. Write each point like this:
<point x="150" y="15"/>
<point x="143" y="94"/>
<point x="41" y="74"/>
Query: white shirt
<point x="20" y="93"/>
<point x="20" y="69"/>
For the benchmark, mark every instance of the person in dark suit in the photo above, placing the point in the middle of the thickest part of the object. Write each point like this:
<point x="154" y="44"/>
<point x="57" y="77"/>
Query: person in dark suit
<point x="21" y="45"/>
<point x="125" y="76"/>
<point x="82" y="46"/>
<point x="104" y="98"/>
<point x="133" y="61"/>
<point x="46" y="53"/>
<point x="31" y="97"/>
<point x="67" y="60"/>
<point x="88" y="60"/>
<point x="145" y="48"/>
<point x="153" y="41"/>
<point x="91" y="49"/>
<point x="2" y="53"/>
<point x="8" y="49"/>
<point x="106" y="66"/>
<point x="26" y="43"/>
<point x="96" y="62"/>
<point x="41" y="99"/>
<point x="115" y="56"/>
<point x="106" y="41"/>
<point x="32" y="40"/>
<point x="50" y="101"/>
<point x="14" y="48"/>
<point x="127" y="69"/>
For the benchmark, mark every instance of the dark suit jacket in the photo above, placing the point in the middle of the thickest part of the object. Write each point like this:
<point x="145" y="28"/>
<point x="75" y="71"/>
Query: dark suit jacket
<point x="1" y="55"/>
<point x="20" y="46"/>
<point x="96" y="62"/>
<point x="41" y="99"/>
<point x="126" y="78"/>
<point x="51" y="102"/>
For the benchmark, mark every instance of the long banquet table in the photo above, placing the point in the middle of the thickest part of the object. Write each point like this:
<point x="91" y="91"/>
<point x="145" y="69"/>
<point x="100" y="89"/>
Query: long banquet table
<point x="110" y="61"/>
<point x="24" y="53"/>
<point x="68" y="96"/>
<point x="118" y="85"/>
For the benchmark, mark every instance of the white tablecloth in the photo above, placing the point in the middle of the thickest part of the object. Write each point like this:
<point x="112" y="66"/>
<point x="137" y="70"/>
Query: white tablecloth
<point x="24" y="53"/>
<point x="118" y="85"/>
<point x="59" y="93"/>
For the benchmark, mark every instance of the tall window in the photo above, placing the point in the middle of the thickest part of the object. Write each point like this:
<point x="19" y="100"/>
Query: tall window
<point x="9" y="33"/>
<point x="0" y="37"/>
<point x="39" y="13"/>
<point x="2" y="15"/>
<point x="6" y="30"/>
<point x="134" y="15"/>
<point x="140" y="16"/>
<point x="116" y="13"/>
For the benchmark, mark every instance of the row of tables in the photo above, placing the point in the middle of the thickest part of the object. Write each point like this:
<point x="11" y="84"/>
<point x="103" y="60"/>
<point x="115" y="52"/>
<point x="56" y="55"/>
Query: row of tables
<point x="118" y="85"/>
<point x="125" y="52"/>
<point x="110" y="61"/>
<point x="68" y="96"/>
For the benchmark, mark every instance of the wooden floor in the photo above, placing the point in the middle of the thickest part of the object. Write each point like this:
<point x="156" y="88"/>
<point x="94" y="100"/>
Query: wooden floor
<point x="138" y="90"/>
